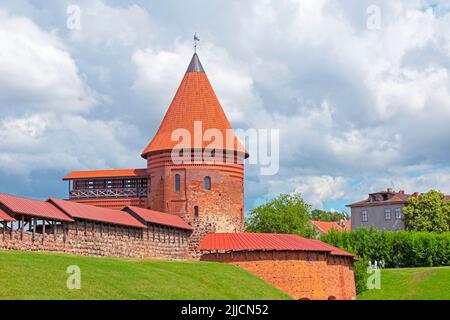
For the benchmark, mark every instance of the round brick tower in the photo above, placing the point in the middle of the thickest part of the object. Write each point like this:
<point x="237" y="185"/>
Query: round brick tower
<point x="195" y="162"/>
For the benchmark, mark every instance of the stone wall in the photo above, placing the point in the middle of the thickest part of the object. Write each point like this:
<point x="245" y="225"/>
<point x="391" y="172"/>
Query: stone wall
<point x="94" y="239"/>
<point x="211" y="224"/>
<point x="302" y="275"/>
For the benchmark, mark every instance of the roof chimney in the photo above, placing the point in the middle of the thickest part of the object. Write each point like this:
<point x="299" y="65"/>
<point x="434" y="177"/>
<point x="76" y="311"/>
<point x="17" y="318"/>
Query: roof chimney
<point x="390" y="190"/>
<point x="402" y="192"/>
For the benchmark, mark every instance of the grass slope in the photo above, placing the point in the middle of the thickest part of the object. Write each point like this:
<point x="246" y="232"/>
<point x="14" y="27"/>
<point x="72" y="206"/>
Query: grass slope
<point x="43" y="276"/>
<point x="412" y="284"/>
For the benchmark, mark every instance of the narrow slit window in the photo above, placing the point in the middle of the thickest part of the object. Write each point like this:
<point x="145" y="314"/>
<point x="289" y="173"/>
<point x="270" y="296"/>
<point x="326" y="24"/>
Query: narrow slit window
<point x="196" y="210"/>
<point x="177" y="183"/>
<point x="207" y="183"/>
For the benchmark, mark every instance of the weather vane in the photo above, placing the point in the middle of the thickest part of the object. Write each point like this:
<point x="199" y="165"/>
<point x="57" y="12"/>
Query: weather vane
<point x="196" y="39"/>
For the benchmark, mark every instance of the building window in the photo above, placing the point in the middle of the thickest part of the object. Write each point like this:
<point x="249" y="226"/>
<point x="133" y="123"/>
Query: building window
<point x="387" y="214"/>
<point x="196" y="212"/>
<point x="207" y="183"/>
<point x="398" y="213"/>
<point x="364" y="216"/>
<point x="177" y="183"/>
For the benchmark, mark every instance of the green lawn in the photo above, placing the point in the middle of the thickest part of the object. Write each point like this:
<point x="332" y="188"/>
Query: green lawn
<point x="43" y="276"/>
<point x="412" y="284"/>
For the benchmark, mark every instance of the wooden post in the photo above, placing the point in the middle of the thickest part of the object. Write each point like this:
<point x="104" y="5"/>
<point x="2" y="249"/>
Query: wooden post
<point x="11" y="231"/>
<point x="33" y="222"/>
<point x="43" y="231"/>
<point x="54" y="229"/>
<point x="154" y="230"/>
<point x="76" y="227"/>
<point x="4" y="227"/>
<point x="64" y="232"/>
<point x="85" y="227"/>
<point x="22" y="226"/>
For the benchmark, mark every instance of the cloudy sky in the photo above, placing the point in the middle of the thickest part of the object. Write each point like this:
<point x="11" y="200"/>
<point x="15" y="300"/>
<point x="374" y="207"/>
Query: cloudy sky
<point x="360" y="105"/>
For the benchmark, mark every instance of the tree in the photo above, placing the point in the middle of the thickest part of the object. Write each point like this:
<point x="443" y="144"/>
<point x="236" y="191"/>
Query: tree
<point x="321" y="215"/>
<point x="430" y="212"/>
<point x="288" y="213"/>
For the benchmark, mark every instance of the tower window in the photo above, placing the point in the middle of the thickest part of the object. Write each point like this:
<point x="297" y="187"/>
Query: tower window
<point x="196" y="212"/>
<point x="207" y="183"/>
<point x="177" y="183"/>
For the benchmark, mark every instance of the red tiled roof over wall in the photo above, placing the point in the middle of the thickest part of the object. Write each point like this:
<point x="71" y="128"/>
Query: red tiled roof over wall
<point x="194" y="101"/>
<point x="326" y="226"/>
<point x="33" y="208"/>
<point x="5" y="217"/>
<point x="119" y="173"/>
<point x="264" y="242"/>
<point x="87" y="212"/>
<point x="160" y="218"/>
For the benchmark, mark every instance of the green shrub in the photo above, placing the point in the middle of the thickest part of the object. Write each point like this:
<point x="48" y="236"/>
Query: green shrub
<point x="361" y="275"/>
<point x="396" y="249"/>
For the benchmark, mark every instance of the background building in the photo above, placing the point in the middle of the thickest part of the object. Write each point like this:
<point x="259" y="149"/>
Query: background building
<point x="383" y="210"/>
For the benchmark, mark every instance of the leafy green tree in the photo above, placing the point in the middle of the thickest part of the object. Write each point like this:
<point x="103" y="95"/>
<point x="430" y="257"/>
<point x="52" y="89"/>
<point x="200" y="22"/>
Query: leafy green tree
<point x="321" y="215"/>
<point x="288" y="213"/>
<point x="430" y="212"/>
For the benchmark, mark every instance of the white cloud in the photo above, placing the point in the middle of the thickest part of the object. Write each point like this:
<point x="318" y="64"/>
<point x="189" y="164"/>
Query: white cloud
<point x="314" y="189"/>
<point x="354" y="104"/>
<point x="37" y="70"/>
<point x="111" y="26"/>
<point x="67" y="142"/>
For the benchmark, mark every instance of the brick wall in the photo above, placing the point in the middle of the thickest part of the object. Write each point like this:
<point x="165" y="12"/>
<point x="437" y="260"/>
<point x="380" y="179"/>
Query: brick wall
<point x="302" y="275"/>
<point x="225" y="199"/>
<point x="102" y="240"/>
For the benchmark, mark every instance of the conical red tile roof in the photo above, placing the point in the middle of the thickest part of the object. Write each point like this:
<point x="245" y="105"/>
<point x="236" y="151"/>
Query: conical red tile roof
<point x="195" y="100"/>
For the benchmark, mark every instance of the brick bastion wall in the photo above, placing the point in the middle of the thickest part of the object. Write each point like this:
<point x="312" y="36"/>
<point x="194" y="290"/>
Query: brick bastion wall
<point x="302" y="275"/>
<point x="96" y="239"/>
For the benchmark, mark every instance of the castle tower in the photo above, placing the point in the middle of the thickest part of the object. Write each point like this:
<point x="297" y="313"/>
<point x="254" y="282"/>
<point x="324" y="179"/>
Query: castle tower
<point x="188" y="175"/>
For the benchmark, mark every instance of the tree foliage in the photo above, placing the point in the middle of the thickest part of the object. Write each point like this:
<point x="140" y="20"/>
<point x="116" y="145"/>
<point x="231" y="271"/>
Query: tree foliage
<point x="321" y="215"/>
<point x="430" y="212"/>
<point x="395" y="248"/>
<point x="288" y="213"/>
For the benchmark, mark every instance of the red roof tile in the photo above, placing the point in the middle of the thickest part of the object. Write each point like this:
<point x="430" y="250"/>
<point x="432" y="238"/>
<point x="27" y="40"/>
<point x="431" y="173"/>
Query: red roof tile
<point x="348" y="225"/>
<point x="87" y="212"/>
<point x="161" y="218"/>
<point x="119" y="173"/>
<point x="264" y="242"/>
<point x="195" y="100"/>
<point x="33" y="208"/>
<point x="334" y="251"/>
<point x="5" y="217"/>
<point x="326" y="226"/>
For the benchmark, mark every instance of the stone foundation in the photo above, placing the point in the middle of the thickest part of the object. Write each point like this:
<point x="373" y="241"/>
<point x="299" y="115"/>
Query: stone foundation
<point x="302" y="275"/>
